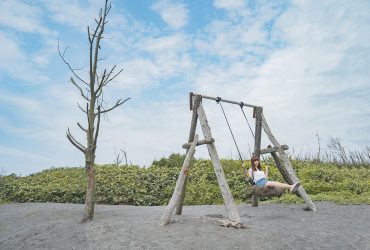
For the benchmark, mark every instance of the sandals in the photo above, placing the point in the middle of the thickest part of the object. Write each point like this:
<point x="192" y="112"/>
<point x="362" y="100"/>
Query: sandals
<point x="295" y="187"/>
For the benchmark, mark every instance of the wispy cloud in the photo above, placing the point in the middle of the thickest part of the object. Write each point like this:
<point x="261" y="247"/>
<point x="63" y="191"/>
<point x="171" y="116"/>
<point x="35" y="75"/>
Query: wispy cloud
<point x="16" y="63"/>
<point x="175" y="14"/>
<point x="229" y="4"/>
<point x="21" y="59"/>
<point x="22" y="17"/>
<point x="294" y="82"/>
<point x="73" y="13"/>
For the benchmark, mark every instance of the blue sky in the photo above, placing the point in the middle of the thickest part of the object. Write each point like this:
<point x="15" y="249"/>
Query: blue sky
<point x="306" y="62"/>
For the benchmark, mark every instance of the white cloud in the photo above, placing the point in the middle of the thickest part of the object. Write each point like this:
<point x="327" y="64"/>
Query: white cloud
<point x="173" y="43"/>
<point x="307" y="86"/>
<point x="15" y="62"/>
<point x="310" y="72"/>
<point x="76" y="14"/>
<point x="175" y="14"/>
<point x="138" y="74"/>
<point x="168" y="122"/>
<point x="245" y="38"/>
<point x="22" y="17"/>
<point x="19" y="102"/>
<point x="168" y="57"/>
<point x="229" y="4"/>
<point x="20" y="59"/>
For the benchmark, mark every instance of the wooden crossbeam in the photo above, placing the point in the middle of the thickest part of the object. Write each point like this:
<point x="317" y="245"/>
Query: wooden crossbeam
<point x="219" y="99"/>
<point x="201" y="142"/>
<point x="270" y="149"/>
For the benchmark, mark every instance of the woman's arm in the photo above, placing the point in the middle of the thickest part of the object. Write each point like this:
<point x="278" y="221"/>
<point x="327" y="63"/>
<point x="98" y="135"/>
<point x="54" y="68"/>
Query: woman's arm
<point x="248" y="172"/>
<point x="267" y="171"/>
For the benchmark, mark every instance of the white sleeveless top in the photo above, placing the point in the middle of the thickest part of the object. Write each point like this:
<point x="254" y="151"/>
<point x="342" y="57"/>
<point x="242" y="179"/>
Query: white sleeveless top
<point x="257" y="175"/>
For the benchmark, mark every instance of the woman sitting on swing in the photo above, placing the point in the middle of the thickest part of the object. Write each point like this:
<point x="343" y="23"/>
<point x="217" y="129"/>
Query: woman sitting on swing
<point x="260" y="177"/>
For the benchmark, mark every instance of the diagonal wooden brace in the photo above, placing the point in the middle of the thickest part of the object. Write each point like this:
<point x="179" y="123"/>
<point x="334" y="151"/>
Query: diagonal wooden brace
<point x="179" y="185"/>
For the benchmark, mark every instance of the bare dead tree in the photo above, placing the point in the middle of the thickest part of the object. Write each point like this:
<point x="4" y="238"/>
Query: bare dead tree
<point x="337" y="149"/>
<point x="91" y="91"/>
<point x="118" y="158"/>
<point x="124" y="152"/>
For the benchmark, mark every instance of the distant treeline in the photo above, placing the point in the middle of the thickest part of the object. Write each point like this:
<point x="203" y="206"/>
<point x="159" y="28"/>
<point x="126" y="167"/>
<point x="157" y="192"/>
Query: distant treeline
<point x="134" y="185"/>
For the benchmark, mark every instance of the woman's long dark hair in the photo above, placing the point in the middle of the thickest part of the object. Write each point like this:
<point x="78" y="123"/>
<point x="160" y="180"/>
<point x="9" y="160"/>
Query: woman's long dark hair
<point x="253" y="159"/>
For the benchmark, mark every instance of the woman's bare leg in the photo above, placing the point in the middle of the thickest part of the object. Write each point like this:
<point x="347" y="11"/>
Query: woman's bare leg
<point x="278" y="185"/>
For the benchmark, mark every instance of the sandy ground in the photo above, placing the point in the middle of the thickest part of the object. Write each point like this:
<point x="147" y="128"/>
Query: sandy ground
<point x="271" y="226"/>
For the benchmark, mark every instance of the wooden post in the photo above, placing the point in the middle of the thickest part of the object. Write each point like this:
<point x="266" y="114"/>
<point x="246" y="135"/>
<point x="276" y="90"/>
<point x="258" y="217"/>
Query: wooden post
<point x="255" y="199"/>
<point x="180" y="185"/>
<point x="258" y="130"/>
<point x="288" y="166"/>
<point x="197" y="99"/>
<point x="225" y="190"/>
<point x="257" y="143"/>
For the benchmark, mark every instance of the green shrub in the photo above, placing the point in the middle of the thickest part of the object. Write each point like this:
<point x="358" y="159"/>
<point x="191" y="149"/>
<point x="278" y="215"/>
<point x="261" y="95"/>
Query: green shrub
<point x="133" y="185"/>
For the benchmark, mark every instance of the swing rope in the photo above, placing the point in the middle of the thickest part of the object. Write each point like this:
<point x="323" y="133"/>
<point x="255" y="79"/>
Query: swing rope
<point x="251" y="182"/>
<point x="228" y="124"/>
<point x="246" y="119"/>
<point x="218" y="100"/>
<point x="241" y="107"/>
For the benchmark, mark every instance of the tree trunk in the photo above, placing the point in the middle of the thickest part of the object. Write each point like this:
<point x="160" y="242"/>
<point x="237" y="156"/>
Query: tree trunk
<point x="90" y="195"/>
<point x="90" y="170"/>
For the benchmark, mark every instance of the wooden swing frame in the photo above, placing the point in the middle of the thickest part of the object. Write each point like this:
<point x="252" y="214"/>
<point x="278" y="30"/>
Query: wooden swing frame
<point x="277" y="151"/>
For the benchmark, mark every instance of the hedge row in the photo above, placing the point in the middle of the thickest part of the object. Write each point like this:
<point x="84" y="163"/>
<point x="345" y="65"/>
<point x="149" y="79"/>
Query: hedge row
<point x="133" y="185"/>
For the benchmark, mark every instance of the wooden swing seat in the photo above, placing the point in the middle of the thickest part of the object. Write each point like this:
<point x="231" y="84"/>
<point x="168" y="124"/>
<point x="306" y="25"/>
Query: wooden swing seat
<point x="256" y="192"/>
<point x="267" y="191"/>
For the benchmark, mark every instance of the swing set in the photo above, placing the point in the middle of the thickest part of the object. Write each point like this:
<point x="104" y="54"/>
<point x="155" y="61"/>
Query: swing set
<point x="277" y="152"/>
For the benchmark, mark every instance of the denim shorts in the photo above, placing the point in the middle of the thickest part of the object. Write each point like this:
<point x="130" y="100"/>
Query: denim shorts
<point x="261" y="183"/>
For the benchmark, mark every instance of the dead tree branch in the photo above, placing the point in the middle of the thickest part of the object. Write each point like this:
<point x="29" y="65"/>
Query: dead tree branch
<point x="81" y="91"/>
<point x="119" y="103"/>
<point x="74" y="142"/>
<point x="69" y="66"/>
<point x="82" y="128"/>
<point x="97" y="126"/>
<point x="81" y="108"/>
